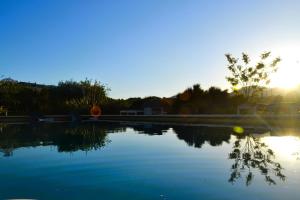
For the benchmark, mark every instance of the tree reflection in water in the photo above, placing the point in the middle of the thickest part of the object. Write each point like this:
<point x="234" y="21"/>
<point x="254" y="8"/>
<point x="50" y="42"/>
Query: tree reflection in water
<point x="67" y="138"/>
<point x="250" y="154"/>
<point x="85" y="138"/>
<point x="197" y="136"/>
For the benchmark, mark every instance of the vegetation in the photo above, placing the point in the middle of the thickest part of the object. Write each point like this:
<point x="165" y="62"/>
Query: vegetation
<point x="250" y="79"/>
<point x="195" y="100"/>
<point x="28" y="98"/>
<point x="88" y="93"/>
<point x="247" y="81"/>
<point x="71" y="96"/>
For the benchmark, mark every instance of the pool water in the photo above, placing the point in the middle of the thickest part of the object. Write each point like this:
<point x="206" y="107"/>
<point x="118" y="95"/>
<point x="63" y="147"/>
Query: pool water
<point x="146" y="161"/>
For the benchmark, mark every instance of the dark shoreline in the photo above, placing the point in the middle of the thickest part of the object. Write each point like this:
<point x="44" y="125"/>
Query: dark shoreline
<point x="230" y="120"/>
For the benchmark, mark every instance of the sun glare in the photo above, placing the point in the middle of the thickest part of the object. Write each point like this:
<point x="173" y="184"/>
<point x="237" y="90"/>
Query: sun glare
<point x="288" y="74"/>
<point x="287" y="146"/>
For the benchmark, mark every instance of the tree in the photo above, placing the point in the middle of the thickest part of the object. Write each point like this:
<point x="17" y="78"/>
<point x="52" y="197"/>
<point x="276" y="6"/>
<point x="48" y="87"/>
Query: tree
<point x="250" y="79"/>
<point x="92" y="93"/>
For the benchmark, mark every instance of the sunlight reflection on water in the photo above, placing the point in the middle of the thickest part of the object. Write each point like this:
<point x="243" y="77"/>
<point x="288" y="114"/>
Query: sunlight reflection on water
<point x="286" y="147"/>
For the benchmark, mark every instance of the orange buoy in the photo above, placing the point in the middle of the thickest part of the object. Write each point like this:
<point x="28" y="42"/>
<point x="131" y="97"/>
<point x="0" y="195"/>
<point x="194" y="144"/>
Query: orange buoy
<point x="95" y="111"/>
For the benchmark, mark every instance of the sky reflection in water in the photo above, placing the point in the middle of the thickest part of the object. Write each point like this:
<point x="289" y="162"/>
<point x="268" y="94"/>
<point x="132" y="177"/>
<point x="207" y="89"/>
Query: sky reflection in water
<point x="144" y="161"/>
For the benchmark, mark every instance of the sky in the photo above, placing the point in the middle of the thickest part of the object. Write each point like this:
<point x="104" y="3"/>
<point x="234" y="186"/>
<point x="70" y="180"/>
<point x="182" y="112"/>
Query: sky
<point x="145" y="47"/>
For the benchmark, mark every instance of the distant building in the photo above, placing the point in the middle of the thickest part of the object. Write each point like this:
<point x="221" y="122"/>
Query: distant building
<point x="131" y="112"/>
<point x="264" y="92"/>
<point x="283" y="108"/>
<point x="145" y="111"/>
<point x="154" y="111"/>
<point x="273" y="108"/>
<point x="248" y="108"/>
<point x="153" y="107"/>
<point x="148" y="106"/>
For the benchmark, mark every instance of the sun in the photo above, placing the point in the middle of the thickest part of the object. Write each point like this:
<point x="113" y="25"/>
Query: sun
<point x="288" y="74"/>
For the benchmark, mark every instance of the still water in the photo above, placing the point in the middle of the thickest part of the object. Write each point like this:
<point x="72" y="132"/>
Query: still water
<point x="144" y="161"/>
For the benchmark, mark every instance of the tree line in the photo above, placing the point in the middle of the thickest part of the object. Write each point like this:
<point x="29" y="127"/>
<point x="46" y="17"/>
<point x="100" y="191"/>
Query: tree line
<point x="22" y="98"/>
<point x="78" y="96"/>
<point x="248" y="82"/>
<point x="68" y="96"/>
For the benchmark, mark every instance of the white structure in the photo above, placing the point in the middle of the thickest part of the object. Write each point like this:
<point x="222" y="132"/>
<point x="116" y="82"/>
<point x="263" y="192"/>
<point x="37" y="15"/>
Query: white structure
<point x="131" y="112"/>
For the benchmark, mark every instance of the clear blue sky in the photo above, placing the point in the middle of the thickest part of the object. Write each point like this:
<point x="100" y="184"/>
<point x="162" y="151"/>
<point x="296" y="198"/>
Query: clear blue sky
<point x="142" y="47"/>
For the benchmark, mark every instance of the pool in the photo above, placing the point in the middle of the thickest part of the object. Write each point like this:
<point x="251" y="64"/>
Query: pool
<point x="147" y="161"/>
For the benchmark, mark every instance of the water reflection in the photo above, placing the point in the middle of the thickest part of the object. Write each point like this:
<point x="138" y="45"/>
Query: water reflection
<point x="91" y="136"/>
<point x="250" y="153"/>
<point x="289" y="146"/>
<point x="148" y="129"/>
<point x="196" y="136"/>
<point x="67" y="138"/>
